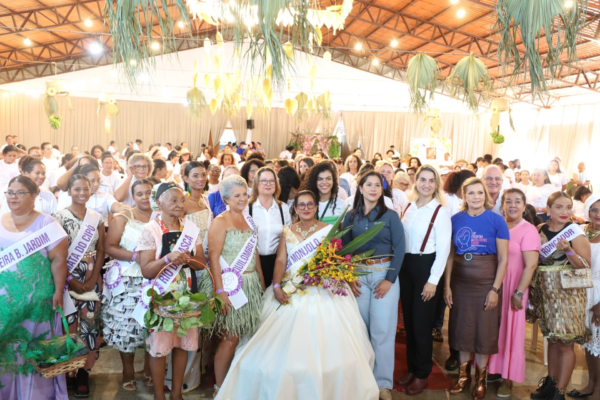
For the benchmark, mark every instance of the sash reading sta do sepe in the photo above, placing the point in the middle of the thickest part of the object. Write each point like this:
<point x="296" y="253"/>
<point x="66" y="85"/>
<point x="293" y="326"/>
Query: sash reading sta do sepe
<point x="77" y="250"/>
<point x="568" y="233"/>
<point x="232" y="275"/>
<point x="186" y="242"/>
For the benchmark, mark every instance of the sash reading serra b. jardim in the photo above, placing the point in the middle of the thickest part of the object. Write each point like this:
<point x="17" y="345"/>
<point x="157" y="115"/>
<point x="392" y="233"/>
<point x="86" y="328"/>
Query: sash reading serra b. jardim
<point x="46" y="236"/>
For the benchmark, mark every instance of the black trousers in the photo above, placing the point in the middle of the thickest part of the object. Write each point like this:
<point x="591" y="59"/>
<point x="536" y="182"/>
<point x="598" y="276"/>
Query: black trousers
<point x="267" y="263"/>
<point x="419" y="315"/>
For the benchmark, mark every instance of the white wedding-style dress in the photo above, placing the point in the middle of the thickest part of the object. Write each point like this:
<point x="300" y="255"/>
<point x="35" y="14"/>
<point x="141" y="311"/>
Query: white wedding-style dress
<point x="316" y="347"/>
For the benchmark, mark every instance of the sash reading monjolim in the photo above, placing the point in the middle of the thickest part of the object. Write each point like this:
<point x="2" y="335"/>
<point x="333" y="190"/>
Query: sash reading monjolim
<point x="186" y="242"/>
<point x="303" y="252"/>
<point x="569" y="233"/>
<point x="81" y="243"/>
<point x="46" y="236"/>
<point x="232" y="275"/>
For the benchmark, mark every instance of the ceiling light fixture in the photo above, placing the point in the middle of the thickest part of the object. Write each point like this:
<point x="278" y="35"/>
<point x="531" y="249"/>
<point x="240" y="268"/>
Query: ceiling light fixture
<point x="358" y="46"/>
<point x="375" y="61"/>
<point x="88" y="22"/>
<point x="95" y="48"/>
<point x="568" y="4"/>
<point x="180" y="24"/>
<point x="461" y="13"/>
<point x="394" y="43"/>
<point x="27" y="42"/>
<point x="155" y="45"/>
<point x="454" y="1"/>
<point x="132" y="62"/>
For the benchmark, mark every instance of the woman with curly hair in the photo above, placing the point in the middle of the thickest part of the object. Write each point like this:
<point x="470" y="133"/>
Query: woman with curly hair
<point x="97" y="151"/>
<point x="322" y="180"/>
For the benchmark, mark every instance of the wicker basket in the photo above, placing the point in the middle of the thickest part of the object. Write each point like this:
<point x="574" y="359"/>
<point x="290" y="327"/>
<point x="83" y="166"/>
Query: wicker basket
<point x="178" y="317"/>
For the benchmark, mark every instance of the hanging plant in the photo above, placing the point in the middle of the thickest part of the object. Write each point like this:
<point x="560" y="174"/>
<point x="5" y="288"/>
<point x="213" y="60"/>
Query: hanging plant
<point x="53" y="89"/>
<point x="558" y="20"/>
<point x="498" y="138"/>
<point x="112" y="110"/>
<point x="498" y="106"/>
<point x="422" y="78"/>
<point x="195" y="98"/>
<point x="131" y="24"/>
<point x="469" y="77"/>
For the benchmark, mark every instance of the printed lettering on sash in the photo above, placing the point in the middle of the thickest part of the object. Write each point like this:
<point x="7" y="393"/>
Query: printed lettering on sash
<point x="303" y="252"/>
<point x="568" y="233"/>
<point x="82" y="242"/>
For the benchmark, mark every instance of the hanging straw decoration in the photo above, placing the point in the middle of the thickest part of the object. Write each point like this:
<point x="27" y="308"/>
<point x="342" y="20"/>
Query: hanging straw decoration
<point x="195" y="97"/>
<point x="470" y="75"/>
<point x="112" y="110"/>
<point x="499" y="105"/>
<point x="53" y="89"/>
<point x="559" y="21"/>
<point x="422" y="78"/>
<point x="131" y="24"/>
<point x="433" y="117"/>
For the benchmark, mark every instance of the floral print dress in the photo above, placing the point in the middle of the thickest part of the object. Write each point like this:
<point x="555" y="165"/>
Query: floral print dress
<point x="86" y="320"/>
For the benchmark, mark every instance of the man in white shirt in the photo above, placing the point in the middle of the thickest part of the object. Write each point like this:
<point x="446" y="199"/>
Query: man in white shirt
<point x="164" y="151"/>
<point x="137" y="145"/>
<point x="50" y="161"/>
<point x="287" y="153"/>
<point x="112" y="147"/>
<point x="9" y="142"/>
<point x="56" y="153"/>
<point x="493" y="179"/>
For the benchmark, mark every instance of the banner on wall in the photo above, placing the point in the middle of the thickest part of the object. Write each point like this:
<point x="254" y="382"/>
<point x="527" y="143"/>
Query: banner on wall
<point x="430" y="150"/>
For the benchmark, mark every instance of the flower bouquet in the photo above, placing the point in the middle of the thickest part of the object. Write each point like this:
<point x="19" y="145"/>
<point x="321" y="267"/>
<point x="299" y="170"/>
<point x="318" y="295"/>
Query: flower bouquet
<point x="333" y="266"/>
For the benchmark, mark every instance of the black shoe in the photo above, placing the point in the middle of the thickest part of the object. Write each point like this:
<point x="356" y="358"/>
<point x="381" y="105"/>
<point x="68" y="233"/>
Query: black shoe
<point x="545" y="389"/>
<point x="83" y="387"/>
<point x="558" y="394"/>
<point x="576" y="394"/>
<point x="451" y="364"/>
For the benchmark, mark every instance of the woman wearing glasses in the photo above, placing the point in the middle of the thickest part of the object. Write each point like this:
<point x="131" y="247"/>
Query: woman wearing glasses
<point x="139" y="166"/>
<point x="84" y="280"/>
<point x="270" y="216"/>
<point x="214" y="178"/>
<point x="338" y="362"/>
<point x="322" y="180"/>
<point x="31" y="289"/>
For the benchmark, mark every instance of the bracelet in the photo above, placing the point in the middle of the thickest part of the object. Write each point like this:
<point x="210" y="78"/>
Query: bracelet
<point x="69" y="278"/>
<point x="571" y="253"/>
<point x="166" y="260"/>
<point x="277" y="285"/>
<point x="495" y="290"/>
<point x="540" y="210"/>
<point x="519" y="293"/>
<point x="219" y="291"/>
<point x="134" y="256"/>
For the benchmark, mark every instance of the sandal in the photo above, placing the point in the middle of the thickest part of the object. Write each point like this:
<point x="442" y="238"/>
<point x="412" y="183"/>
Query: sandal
<point x="130" y="385"/>
<point x="216" y="391"/>
<point x="148" y="380"/>
<point x="437" y="335"/>
<point x="576" y="394"/>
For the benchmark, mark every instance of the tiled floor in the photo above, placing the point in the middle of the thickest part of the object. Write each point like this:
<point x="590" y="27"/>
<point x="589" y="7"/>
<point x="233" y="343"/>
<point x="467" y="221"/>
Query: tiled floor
<point x="106" y="377"/>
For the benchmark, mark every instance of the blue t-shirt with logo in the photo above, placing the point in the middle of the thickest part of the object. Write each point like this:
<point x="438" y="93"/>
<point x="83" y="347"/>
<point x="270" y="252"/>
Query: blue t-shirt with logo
<point x="478" y="235"/>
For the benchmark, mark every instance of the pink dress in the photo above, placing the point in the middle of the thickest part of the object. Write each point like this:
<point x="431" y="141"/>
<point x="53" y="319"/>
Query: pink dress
<point x="510" y="360"/>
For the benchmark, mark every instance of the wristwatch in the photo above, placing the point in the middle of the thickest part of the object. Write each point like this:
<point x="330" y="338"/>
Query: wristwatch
<point x="495" y="290"/>
<point x="519" y="293"/>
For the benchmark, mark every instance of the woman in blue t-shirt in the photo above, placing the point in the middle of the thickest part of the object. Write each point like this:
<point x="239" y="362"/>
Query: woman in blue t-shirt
<point x="474" y="274"/>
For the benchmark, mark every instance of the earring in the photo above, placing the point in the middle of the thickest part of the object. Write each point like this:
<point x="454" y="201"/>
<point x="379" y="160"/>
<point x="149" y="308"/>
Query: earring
<point x="524" y="213"/>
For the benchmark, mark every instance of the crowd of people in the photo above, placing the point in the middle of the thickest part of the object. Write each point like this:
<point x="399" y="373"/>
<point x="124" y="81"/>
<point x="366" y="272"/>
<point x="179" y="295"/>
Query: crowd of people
<point x="482" y="239"/>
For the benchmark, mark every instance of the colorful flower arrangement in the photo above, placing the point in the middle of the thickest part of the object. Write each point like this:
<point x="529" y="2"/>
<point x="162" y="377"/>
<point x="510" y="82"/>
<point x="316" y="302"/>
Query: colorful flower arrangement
<point x="311" y="143"/>
<point x="333" y="267"/>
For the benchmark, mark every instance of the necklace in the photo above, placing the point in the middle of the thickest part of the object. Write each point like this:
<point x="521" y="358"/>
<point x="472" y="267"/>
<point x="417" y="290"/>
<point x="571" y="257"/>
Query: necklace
<point x="591" y="233"/>
<point x="199" y="202"/>
<point x="304" y="234"/>
<point x="476" y="215"/>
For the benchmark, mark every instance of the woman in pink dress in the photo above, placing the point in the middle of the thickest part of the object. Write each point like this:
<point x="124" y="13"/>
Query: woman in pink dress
<point x="523" y="253"/>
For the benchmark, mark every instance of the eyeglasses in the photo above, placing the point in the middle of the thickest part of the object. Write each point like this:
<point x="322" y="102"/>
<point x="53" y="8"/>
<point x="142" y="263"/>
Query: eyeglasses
<point x="306" y="206"/>
<point x="490" y="179"/>
<point x="141" y="166"/>
<point x="20" y="194"/>
<point x="215" y="170"/>
<point x="266" y="182"/>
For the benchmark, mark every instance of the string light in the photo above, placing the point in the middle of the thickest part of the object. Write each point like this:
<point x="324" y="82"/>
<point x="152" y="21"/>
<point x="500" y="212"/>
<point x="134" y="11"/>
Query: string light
<point x="95" y="48"/>
<point x="568" y="3"/>
<point x="88" y="22"/>
<point x="155" y="45"/>
<point x="27" y="42"/>
<point x="358" y="46"/>
<point x="180" y="24"/>
<point x="394" y="43"/>
<point x="461" y="13"/>
<point x="375" y="61"/>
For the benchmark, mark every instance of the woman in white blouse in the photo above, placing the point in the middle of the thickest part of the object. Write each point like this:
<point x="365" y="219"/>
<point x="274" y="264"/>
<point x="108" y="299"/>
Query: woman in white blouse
<point x="537" y="195"/>
<point x="270" y="215"/>
<point x="322" y="180"/>
<point x="352" y="165"/>
<point x="398" y="197"/>
<point x="428" y="232"/>
<point x="557" y="178"/>
<point x="525" y="183"/>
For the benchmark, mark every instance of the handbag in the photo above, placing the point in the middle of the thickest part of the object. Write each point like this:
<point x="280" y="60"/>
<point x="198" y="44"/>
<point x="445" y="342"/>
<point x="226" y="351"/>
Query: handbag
<point x="576" y="278"/>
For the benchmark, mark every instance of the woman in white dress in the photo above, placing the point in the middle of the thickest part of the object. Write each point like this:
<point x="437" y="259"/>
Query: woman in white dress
<point x="316" y="346"/>
<point x="592" y="348"/>
<point x="557" y="178"/>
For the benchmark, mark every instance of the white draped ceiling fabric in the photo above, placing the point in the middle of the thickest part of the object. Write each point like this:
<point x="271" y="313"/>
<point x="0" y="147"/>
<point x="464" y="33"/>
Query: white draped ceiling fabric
<point x="571" y="132"/>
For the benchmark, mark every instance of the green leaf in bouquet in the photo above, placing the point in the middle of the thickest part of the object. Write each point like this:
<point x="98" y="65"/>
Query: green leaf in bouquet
<point x="361" y="240"/>
<point x="343" y="232"/>
<point x="198" y="297"/>
<point x="364" y="255"/>
<point x="184" y="300"/>
<point x="177" y="294"/>
<point x="181" y="332"/>
<point x="168" y="325"/>
<point x="336" y="226"/>
<point x="175" y="310"/>
<point x="208" y="315"/>
<point x="194" y="322"/>
<point x="185" y="323"/>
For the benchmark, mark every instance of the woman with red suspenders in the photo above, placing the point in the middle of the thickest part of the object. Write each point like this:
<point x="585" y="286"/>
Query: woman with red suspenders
<point x="428" y="232"/>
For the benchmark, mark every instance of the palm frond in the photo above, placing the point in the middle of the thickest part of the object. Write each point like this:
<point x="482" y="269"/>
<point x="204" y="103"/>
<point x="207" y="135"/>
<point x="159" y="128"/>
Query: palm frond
<point x="422" y="77"/>
<point x="468" y="79"/>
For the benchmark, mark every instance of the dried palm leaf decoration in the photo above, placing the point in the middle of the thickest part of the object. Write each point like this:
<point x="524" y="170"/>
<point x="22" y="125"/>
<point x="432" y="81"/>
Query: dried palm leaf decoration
<point x="559" y="21"/>
<point x="469" y="78"/>
<point x="422" y="78"/>
<point x="112" y="109"/>
<point x="195" y="98"/>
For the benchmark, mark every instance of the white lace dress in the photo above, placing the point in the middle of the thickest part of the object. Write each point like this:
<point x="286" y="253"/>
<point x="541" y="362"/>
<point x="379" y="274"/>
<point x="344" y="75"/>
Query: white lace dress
<point x="593" y="295"/>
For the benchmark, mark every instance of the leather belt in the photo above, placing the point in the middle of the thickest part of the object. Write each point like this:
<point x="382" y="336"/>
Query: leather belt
<point x="379" y="261"/>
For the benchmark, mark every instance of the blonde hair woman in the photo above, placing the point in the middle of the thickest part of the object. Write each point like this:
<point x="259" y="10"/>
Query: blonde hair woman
<point x="474" y="273"/>
<point x="438" y="194"/>
<point x="270" y="215"/>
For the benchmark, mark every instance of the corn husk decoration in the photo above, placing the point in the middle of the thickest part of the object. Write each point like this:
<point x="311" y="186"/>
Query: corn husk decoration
<point x="323" y="103"/>
<point x="433" y="117"/>
<point x="291" y="106"/>
<point x="499" y="105"/>
<point x="524" y="24"/>
<point x="195" y="97"/>
<point x="53" y="89"/>
<point x="302" y="101"/>
<point x="112" y="110"/>
<point x="422" y="78"/>
<point x="469" y="78"/>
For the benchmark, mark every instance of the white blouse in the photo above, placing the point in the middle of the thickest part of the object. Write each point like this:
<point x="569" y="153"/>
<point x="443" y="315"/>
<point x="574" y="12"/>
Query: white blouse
<point x="45" y="202"/>
<point x="453" y="203"/>
<point x="269" y="225"/>
<point x="416" y="222"/>
<point x="558" y="180"/>
<point x="538" y="196"/>
<point x="99" y="202"/>
<point x="340" y="206"/>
